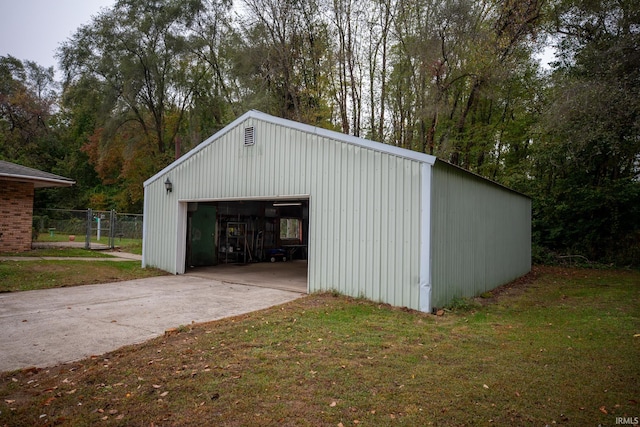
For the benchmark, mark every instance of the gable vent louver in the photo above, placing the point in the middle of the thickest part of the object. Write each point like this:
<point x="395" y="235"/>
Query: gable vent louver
<point x="249" y="136"/>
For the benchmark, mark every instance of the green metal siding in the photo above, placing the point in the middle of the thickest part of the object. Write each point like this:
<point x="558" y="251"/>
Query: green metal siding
<point x="481" y="234"/>
<point x="364" y="204"/>
<point x="387" y="224"/>
<point x="157" y="238"/>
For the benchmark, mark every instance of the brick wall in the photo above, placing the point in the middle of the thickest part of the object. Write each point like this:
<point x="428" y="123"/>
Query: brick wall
<point x="16" y="213"/>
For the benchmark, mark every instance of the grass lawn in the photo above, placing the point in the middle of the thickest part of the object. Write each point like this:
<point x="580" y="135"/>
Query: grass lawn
<point x="133" y="246"/>
<point x="31" y="275"/>
<point x="59" y="252"/>
<point x="560" y="347"/>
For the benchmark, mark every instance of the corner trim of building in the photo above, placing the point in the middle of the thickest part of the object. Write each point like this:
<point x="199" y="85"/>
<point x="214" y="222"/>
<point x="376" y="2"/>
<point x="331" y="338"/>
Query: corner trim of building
<point x="145" y="221"/>
<point x="181" y="236"/>
<point x="425" y="239"/>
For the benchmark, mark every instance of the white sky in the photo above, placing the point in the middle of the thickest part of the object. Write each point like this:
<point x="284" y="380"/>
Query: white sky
<point x="33" y="29"/>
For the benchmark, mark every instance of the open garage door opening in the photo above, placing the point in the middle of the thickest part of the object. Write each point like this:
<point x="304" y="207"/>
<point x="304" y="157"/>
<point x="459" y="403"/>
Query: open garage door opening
<point x="254" y="242"/>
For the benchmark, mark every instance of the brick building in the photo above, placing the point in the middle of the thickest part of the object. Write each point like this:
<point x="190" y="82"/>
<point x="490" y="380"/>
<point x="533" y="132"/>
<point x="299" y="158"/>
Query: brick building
<point x="17" y="186"/>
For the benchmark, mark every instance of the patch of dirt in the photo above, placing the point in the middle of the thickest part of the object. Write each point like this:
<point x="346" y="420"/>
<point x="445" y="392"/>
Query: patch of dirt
<point x="515" y="287"/>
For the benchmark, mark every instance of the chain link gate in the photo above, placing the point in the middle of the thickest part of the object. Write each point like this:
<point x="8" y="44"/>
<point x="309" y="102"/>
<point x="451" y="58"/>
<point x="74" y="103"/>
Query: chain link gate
<point x="100" y="228"/>
<point x="100" y="224"/>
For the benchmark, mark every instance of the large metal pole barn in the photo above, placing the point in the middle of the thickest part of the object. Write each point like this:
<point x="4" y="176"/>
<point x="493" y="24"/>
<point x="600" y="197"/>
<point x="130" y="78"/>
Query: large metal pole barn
<point x="381" y="222"/>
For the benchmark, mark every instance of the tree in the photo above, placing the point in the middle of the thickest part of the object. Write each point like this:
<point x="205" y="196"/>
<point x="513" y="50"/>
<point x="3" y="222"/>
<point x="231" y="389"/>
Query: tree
<point x="454" y="64"/>
<point x="216" y="97"/>
<point x="346" y="76"/>
<point x="34" y="133"/>
<point x="379" y="25"/>
<point x="281" y="60"/>
<point x="138" y="56"/>
<point x="587" y="166"/>
<point x="27" y="98"/>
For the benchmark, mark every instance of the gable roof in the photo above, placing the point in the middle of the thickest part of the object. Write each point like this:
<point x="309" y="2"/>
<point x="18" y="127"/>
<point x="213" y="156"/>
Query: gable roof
<point x="40" y="179"/>
<point x="326" y="133"/>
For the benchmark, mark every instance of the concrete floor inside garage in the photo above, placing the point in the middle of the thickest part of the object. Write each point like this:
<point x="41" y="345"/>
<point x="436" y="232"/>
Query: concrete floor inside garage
<point x="288" y="276"/>
<point x="234" y="241"/>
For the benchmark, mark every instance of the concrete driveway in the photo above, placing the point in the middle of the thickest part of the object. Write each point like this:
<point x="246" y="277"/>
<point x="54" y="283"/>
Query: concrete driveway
<point x="48" y="327"/>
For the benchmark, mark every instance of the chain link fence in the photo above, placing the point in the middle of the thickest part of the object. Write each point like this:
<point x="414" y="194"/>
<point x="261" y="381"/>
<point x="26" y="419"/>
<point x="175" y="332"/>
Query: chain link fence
<point x="95" y="228"/>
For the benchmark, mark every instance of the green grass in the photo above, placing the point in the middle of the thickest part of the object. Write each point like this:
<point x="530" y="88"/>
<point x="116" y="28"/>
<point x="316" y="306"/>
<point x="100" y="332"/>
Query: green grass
<point x="133" y="246"/>
<point x="561" y="348"/>
<point x="32" y="275"/>
<point x="59" y="252"/>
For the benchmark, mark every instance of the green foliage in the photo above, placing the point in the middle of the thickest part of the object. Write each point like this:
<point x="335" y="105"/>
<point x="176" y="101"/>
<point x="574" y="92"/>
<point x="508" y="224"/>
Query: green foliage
<point x="137" y="63"/>
<point x="27" y="130"/>
<point x="587" y="188"/>
<point x="457" y="79"/>
<point x="461" y="304"/>
<point x="597" y="222"/>
<point x="283" y="60"/>
<point x="541" y="255"/>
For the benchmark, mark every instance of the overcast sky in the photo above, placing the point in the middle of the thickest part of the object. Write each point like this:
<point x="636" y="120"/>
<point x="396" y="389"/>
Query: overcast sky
<point x="33" y="29"/>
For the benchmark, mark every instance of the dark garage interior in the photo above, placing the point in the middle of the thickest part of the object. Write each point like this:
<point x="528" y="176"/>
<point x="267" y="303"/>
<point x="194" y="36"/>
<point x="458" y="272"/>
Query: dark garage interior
<point x="246" y="232"/>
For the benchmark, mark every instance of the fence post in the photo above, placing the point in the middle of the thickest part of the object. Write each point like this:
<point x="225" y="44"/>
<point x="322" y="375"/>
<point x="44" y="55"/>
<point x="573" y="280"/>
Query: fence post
<point x="87" y="238"/>
<point x="112" y="229"/>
